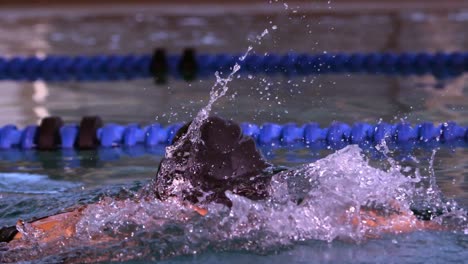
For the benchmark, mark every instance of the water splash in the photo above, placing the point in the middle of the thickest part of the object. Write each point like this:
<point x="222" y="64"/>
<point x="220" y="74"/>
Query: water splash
<point x="28" y="232"/>
<point x="218" y="90"/>
<point x="173" y="167"/>
<point x="325" y="200"/>
<point x="330" y="193"/>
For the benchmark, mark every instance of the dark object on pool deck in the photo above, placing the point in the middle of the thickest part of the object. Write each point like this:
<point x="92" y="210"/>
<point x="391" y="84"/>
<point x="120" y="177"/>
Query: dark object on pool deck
<point x="87" y="134"/>
<point x="159" y="67"/>
<point x="188" y="66"/>
<point x="48" y="137"/>
<point x="226" y="160"/>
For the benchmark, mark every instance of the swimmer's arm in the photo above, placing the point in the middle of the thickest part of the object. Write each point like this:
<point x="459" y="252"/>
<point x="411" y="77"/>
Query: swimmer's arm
<point x="372" y="220"/>
<point x="55" y="226"/>
<point x="63" y="224"/>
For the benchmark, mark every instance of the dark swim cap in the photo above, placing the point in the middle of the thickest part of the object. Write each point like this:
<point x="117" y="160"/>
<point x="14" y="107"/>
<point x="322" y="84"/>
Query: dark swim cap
<point x="224" y="160"/>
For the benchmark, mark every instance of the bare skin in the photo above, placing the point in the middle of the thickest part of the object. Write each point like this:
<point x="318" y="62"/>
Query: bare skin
<point x="63" y="225"/>
<point x="55" y="226"/>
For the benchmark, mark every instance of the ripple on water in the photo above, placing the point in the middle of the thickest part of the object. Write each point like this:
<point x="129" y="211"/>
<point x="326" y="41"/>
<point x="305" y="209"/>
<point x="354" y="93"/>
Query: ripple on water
<point x="27" y="183"/>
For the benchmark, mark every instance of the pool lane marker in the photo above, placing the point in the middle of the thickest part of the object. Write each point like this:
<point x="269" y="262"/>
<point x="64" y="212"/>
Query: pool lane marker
<point x="92" y="133"/>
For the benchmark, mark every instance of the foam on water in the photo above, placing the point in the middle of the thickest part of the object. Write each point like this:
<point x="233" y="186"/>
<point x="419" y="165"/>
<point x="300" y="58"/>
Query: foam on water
<point x="331" y="193"/>
<point x="32" y="184"/>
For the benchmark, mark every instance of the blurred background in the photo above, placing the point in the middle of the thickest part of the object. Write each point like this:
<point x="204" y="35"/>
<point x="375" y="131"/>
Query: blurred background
<point x="121" y="27"/>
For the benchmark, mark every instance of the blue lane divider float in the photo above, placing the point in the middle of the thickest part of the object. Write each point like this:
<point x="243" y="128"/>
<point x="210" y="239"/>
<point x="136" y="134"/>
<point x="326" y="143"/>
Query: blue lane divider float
<point x="190" y="65"/>
<point x="72" y="158"/>
<point x="115" y="135"/>
<point x="117" y="141"/>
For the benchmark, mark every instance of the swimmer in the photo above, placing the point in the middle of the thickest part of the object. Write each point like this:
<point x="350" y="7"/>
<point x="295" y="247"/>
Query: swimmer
<point x="200" y="172"/>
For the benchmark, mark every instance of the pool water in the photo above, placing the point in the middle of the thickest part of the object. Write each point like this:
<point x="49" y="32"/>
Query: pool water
<point x="51" y="182"/>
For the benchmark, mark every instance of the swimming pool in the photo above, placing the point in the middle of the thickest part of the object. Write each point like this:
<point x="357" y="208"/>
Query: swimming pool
<point x="323" y="99"/>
